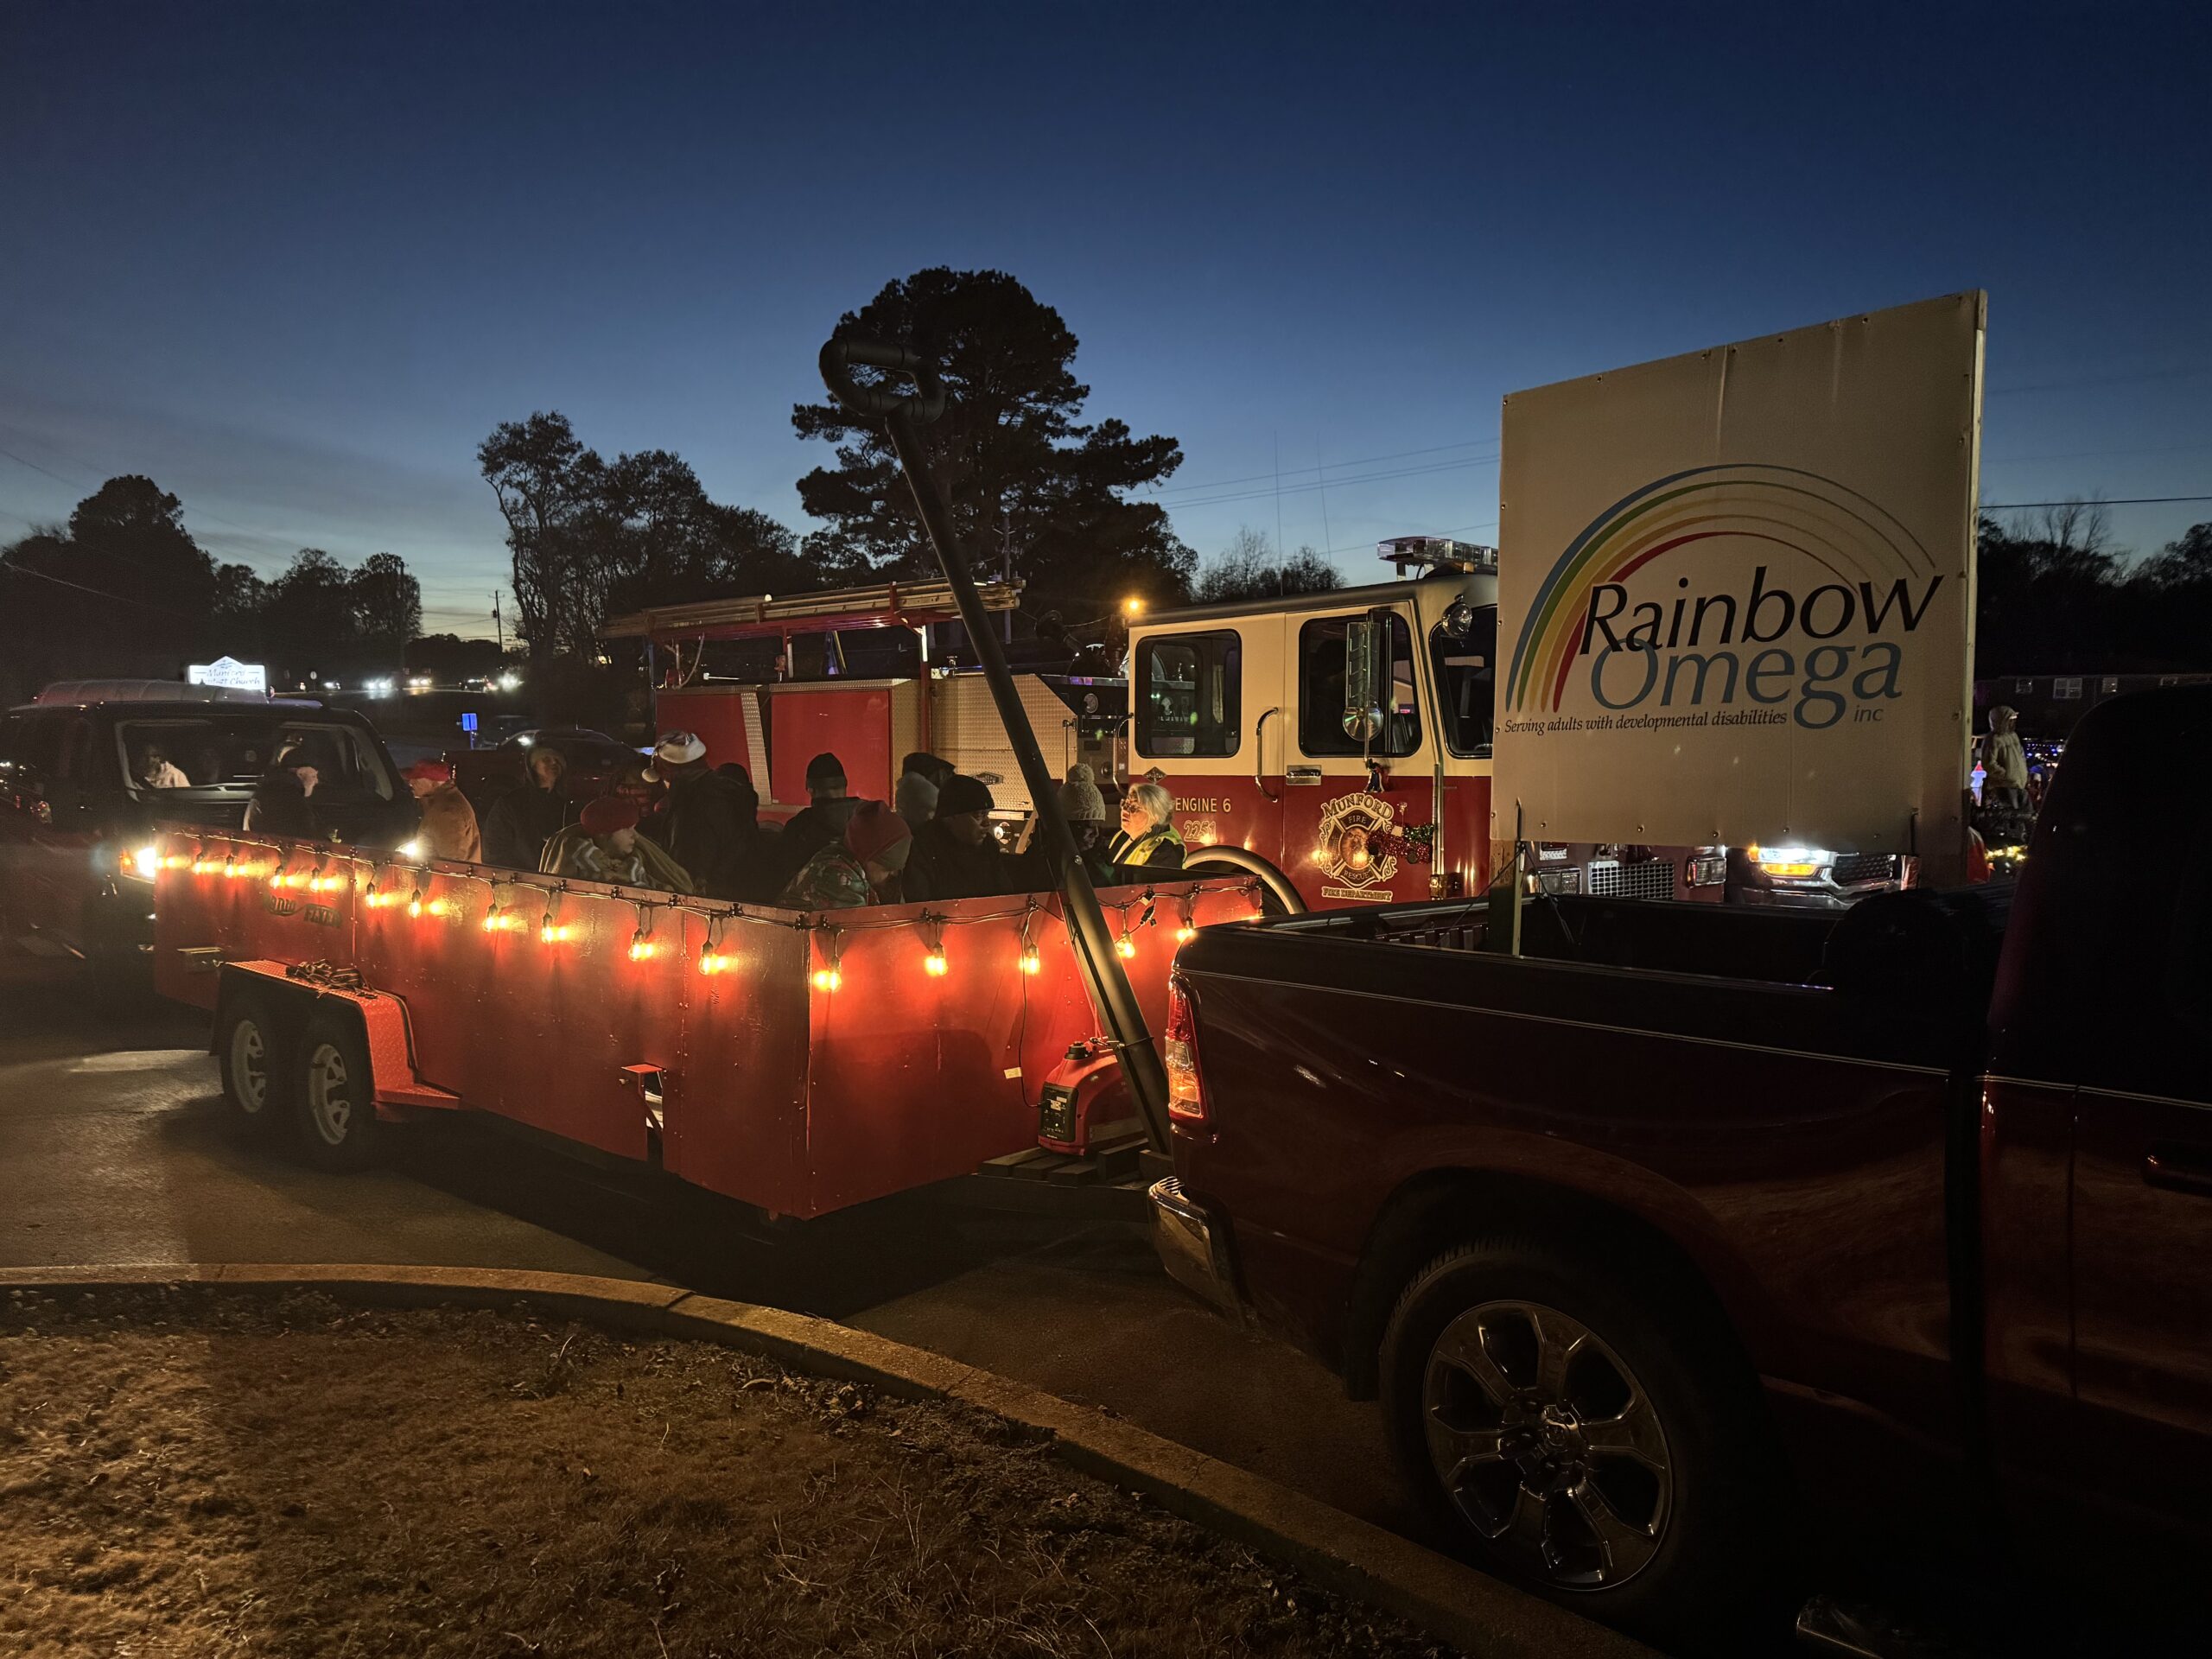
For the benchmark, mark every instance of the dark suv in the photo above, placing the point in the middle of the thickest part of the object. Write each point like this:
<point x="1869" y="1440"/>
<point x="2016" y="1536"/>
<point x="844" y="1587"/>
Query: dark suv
<point x="86" y="777"/>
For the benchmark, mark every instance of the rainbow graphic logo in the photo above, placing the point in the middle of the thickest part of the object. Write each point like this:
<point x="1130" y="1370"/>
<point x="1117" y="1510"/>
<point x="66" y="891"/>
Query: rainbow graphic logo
<point x="1788" y="510"/>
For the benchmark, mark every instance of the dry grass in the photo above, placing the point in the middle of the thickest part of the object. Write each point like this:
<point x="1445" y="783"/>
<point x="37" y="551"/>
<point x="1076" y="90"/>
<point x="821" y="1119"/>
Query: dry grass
<point x="187" y="1473"/>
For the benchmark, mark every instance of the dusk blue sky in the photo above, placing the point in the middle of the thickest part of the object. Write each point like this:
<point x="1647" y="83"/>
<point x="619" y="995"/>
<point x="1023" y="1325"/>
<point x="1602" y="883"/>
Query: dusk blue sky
<point x="293" y="262"/>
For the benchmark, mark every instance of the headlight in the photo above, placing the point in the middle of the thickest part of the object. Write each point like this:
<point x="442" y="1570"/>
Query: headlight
<point x="141" y="862"/>
<point x="410" y="849"/>
<point x="1792" y="861"/>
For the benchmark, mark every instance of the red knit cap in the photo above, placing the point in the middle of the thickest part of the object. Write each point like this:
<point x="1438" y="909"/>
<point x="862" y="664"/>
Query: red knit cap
<point x="609" y="813"/>
<point x="429" y="771"/>
<point x="874" y="830"/>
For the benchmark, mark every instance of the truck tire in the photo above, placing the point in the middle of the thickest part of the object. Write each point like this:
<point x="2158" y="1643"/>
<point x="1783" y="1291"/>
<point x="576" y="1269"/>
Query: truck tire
<point x="256" y="1069"/>
<point x="1585" y="1431"/>
<point x="334" y="1102"/>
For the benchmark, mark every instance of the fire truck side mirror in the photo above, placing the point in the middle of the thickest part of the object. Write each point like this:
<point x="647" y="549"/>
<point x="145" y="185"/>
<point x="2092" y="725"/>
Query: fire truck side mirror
<point x="1363" y="714"/>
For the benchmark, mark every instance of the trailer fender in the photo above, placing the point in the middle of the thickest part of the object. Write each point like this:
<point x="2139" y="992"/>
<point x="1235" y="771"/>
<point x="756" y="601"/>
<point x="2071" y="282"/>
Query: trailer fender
<point x="400" y="1091"/>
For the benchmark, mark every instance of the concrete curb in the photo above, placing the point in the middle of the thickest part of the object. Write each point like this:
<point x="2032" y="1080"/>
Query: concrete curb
<point x="1477" y="1614"/>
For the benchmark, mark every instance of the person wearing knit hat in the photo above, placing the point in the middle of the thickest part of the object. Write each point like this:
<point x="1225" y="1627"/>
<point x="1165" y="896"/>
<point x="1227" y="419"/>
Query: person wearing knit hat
<point x="861" y="867"/>
<point x="955" y="854"/>
<point x="1090" y="821"/>
<point x="604" y="845"/>
<point x="819" y="824"/>
<point x="920" y="776"/>
<point x="449" y="828"/>
<point x="1080" y="801"/>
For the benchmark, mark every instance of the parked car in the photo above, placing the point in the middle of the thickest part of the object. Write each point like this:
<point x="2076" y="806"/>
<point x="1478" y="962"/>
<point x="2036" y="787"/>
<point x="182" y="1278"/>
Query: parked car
<point x="77" y="814"/>
<point x="596" y="762"/>
<point x="1687" y="1217"/>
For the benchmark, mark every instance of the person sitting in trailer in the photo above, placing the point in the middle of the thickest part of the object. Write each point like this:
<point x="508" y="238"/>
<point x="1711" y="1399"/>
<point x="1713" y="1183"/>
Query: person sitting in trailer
<point x="523" y="820"/>
<point x="604" y="845"/>
<point x="819" y="824"/>
<point x="955" y="855"/>
<point x="861" y="867"/>
<point x="1148" y="838"/>
<point x="711" y="825"/>
<point x="921" y="776"/>
<point x="1089" y="821"/>
<point x="449" y="828"/>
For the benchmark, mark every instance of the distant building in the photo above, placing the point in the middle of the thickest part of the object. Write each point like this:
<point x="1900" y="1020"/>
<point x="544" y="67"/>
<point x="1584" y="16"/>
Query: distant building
<point x="2049" y="704"/>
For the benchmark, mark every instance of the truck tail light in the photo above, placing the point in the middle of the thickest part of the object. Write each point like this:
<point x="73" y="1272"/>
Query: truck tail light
<point x="1178" y="1054"/>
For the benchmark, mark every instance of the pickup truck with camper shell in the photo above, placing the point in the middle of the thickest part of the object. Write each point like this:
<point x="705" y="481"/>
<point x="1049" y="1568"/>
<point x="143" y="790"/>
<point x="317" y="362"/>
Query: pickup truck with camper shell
<point x="1682" y="1226"/>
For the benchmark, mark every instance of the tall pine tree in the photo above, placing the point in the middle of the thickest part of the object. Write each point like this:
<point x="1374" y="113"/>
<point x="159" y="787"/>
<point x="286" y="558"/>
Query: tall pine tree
<point x="1029" y="480"/>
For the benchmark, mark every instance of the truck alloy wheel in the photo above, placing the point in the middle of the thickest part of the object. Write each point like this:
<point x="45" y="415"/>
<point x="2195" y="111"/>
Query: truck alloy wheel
<point x="1576" y="1416"/>
<point x="1547" y="1445"/>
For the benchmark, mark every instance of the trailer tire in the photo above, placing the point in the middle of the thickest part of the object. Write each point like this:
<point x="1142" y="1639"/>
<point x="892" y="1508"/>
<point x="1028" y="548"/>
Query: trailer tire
<point x="334" y="1102"/>
<point x="1628" y="1477"/>
<point x="255" y="1061"/>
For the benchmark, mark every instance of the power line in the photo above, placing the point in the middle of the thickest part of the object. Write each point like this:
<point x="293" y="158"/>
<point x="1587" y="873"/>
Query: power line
<point x="91" y="471"/>
<point x="1332" y="483"/>
<point x="2100" y="454"/>
<point x="2078" y="501"/>
<point x="2101" y="380"/>
<point x="35" y="468"/>
<point x="1318" y="466"/>
<point x="97" y="593"/>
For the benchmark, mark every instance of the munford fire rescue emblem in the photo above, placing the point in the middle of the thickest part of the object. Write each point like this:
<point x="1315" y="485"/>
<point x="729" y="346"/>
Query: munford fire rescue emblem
<point x="1362" y="846"/>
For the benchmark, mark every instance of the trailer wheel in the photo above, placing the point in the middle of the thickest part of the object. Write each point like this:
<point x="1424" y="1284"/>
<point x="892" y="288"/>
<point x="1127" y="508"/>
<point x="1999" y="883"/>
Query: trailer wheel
<point x="1575" y="1428"/>
<point x="251" y="1053"/>
<point x="336" y="1097"/>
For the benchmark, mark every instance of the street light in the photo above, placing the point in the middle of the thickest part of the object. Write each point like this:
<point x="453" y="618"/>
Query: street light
<point x="1133" y="607"/>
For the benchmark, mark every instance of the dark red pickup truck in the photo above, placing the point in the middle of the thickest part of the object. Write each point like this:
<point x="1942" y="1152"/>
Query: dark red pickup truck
<point x="1688" y="1223"/>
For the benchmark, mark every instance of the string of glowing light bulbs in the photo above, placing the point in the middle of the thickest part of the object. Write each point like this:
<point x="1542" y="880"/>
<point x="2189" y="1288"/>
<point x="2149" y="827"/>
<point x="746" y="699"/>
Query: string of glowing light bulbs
<point x="506" y="918"/>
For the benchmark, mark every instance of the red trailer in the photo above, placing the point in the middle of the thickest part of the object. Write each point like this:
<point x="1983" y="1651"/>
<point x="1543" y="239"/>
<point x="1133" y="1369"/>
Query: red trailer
<point x="800" y="1062"/>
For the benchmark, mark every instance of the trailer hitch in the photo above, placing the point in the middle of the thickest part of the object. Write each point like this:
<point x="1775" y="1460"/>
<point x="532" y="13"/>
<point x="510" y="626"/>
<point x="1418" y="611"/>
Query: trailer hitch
<point x="900" y="411"/>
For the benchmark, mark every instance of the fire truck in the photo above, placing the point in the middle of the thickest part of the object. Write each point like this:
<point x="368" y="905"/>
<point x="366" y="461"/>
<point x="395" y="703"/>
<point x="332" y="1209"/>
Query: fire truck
<point x="1337" y="745"/>
<point x="869" y="674"/>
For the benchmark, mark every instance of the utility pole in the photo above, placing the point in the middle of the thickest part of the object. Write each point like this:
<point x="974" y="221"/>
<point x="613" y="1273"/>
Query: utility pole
<point x="499" y="627"/>
<point x="1006" y="556"/>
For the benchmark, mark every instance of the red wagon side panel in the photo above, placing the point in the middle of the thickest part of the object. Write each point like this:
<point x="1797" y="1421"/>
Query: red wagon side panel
<point x="794" y="1096"/>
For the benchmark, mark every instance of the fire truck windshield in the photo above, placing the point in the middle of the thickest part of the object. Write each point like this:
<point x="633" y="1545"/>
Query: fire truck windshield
<point x="1467" y="666"/>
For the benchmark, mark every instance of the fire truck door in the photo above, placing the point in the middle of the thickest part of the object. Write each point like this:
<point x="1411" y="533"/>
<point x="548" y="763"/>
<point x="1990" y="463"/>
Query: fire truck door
<point x="1358" y="806"/>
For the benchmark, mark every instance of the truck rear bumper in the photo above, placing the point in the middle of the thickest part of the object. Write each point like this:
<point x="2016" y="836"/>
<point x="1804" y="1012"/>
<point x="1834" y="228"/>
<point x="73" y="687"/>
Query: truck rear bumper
<point x="1191" y="1249"/>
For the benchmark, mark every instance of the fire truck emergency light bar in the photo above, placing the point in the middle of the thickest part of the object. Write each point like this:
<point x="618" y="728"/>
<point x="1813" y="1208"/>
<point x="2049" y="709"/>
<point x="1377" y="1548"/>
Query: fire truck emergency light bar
<point x="1438" y="553"/>
<point x="904" y="604"/>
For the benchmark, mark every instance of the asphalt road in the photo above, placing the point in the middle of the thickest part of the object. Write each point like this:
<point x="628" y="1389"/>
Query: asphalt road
<point x="116" y="1147"/>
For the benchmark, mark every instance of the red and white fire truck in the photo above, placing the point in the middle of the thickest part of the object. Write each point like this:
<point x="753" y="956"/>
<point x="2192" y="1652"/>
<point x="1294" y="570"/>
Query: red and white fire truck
<point x="861" y="672"/>
<point x="1340" y="743"/>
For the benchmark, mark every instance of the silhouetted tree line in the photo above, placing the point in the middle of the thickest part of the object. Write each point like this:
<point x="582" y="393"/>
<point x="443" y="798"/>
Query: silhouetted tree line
<point x="1248" y="568"/>
<point x="2055" y="595"/>
<point x="1040" y="491"/>
<point x="1037" y="493"/>
<point x="123" y="589"/>
<point x="591" y="538"/>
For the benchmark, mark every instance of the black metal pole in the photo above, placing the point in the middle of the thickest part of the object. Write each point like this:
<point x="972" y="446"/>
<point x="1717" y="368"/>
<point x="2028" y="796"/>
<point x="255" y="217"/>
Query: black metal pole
<point x="1110" y="996"/>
